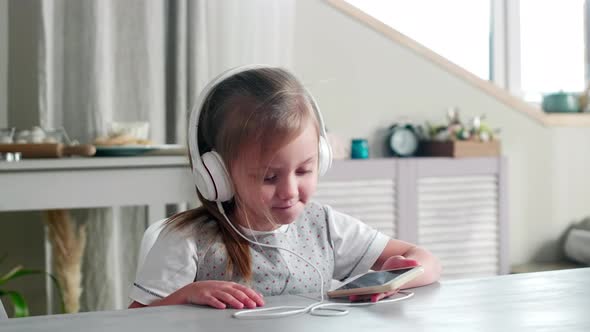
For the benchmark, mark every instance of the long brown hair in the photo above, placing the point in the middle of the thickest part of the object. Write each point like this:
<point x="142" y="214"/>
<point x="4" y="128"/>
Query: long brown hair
<point x="264" y="109"/>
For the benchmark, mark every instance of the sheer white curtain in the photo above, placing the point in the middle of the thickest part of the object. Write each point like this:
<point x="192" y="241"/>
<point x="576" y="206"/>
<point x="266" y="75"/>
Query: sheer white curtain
<point x="137" y="60"/>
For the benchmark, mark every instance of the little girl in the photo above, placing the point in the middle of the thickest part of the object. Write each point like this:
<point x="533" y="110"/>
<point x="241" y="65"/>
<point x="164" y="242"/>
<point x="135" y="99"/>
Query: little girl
<point x="263" y="146"/>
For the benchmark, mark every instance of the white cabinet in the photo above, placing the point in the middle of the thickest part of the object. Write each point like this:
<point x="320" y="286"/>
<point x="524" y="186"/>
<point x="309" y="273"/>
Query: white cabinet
<point x="456" y="208"/>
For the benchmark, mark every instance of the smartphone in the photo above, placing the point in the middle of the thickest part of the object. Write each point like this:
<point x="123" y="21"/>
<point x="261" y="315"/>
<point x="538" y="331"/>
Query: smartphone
<point x="377" y="281"/>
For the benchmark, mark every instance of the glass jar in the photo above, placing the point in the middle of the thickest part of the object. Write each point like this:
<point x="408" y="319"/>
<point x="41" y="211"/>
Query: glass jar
<point x="359" y="149"/>
<point x="6" y="135"/>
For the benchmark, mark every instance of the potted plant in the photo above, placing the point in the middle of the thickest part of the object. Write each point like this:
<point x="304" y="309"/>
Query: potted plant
<point x="21" y="308"/>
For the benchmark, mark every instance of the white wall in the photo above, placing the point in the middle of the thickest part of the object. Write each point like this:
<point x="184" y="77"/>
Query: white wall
<point x="364" y="82"/>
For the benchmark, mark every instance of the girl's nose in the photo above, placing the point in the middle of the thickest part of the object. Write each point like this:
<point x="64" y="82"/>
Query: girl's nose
<point x="287" y="188"/>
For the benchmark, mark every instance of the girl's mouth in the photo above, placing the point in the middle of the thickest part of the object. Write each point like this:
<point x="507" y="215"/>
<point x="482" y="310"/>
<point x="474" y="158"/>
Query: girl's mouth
<point x="284" y="207"/>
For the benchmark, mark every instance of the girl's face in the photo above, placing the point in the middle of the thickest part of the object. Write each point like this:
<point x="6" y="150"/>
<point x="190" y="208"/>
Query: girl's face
<point x="288" y="181"/>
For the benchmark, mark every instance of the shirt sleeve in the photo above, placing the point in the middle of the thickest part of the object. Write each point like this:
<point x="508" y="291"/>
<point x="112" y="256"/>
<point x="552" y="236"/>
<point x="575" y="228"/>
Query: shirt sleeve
<point x="170" y="264"/>
<point x="356" y="245"/>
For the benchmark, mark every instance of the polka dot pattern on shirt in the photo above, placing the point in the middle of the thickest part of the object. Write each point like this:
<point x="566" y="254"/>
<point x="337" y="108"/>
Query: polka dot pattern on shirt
<point x="278" y="271"/>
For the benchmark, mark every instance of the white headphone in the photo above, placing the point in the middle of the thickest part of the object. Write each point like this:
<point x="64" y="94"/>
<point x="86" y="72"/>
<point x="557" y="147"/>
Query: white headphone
<point x="209" y="172"/>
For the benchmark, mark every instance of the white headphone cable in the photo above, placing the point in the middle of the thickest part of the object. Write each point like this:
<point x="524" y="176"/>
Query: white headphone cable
<point x="317" y="309"/>
<point x="329" y="309"/>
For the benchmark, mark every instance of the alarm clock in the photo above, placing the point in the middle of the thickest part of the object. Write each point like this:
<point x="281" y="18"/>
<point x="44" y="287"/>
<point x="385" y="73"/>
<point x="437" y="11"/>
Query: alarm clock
<point x="403" y="140"/>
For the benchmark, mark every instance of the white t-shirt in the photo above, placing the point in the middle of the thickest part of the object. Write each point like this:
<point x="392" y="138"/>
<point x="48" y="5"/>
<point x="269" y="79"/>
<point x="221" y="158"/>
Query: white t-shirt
<point x="338" y="244"/>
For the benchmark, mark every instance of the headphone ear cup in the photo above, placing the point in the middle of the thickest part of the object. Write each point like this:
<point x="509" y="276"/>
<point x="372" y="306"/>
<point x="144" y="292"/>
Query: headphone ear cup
<point x="324" y="156"/>
<point x="212" y="178"/>
<point x="204" y="182"/>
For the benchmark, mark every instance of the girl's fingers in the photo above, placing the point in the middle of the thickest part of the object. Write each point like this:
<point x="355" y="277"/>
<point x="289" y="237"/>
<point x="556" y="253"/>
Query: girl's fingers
<point x="387" y="294"/>
<point x="395" y="262"/>
<point x="215" y="303"/>
<point x="245" y="295"/>
<point x="251" y="294"/>
<point x="360" y="298"/>
<point x="242" y="297"/>
<point x="220" y="294"/>
<point x="371" y="297"/>
<point x="228" y="299"/>
<point x="379" y="296"/>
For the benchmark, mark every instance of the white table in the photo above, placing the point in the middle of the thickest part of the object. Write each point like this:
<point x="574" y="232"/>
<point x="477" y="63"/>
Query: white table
<point x="548" y="301"/>
<point x="68" y="183"/>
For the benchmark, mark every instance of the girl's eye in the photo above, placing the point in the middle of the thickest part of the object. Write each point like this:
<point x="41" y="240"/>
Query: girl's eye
<point x="304" y="171"/>
<point x="269" y="178"/>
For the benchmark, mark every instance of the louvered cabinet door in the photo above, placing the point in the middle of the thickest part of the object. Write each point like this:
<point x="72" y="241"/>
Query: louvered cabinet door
<point x="364" y="189"/>
<point x="458" y="222"/>
<point x="371" y="201"/>
<point x="461" y="214"/>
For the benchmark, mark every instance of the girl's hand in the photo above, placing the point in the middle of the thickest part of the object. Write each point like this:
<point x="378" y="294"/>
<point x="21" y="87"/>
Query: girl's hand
<point x="393" y="262"/>
<point x="220" y="294"/>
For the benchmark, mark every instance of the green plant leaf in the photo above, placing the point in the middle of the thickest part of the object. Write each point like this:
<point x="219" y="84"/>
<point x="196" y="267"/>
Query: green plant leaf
<point x="9" y="274"/>
<point x="62" y="304"/>
<point x="16" y="272"/>
<point x="22" y="272"/>
<point x="19" y="271"/>
<point x="21" y="309"/>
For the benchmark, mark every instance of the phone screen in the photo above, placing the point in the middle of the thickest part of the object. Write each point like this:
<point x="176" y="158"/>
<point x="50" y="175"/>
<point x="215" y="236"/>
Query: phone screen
<point x="374" y="279"/>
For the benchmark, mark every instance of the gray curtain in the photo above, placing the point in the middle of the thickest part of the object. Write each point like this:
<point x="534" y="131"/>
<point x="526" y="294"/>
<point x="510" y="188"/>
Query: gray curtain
<point x="138" y="60"/>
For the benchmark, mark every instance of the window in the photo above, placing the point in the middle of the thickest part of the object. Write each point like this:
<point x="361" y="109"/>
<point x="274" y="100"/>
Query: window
<point x="551" y="47"/>
<point x="529" y="47"/>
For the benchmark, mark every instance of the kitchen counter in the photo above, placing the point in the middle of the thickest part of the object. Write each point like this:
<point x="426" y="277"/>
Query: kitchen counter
<point x="42" y="184"/>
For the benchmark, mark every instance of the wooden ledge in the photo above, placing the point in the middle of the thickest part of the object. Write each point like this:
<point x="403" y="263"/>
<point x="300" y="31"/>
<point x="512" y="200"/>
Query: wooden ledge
<point x="567" y="120"/>
<point x="533" y="112"/>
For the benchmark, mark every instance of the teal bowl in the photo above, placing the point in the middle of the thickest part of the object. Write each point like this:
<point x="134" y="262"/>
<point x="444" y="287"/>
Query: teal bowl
<point x="561" y="102"/>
